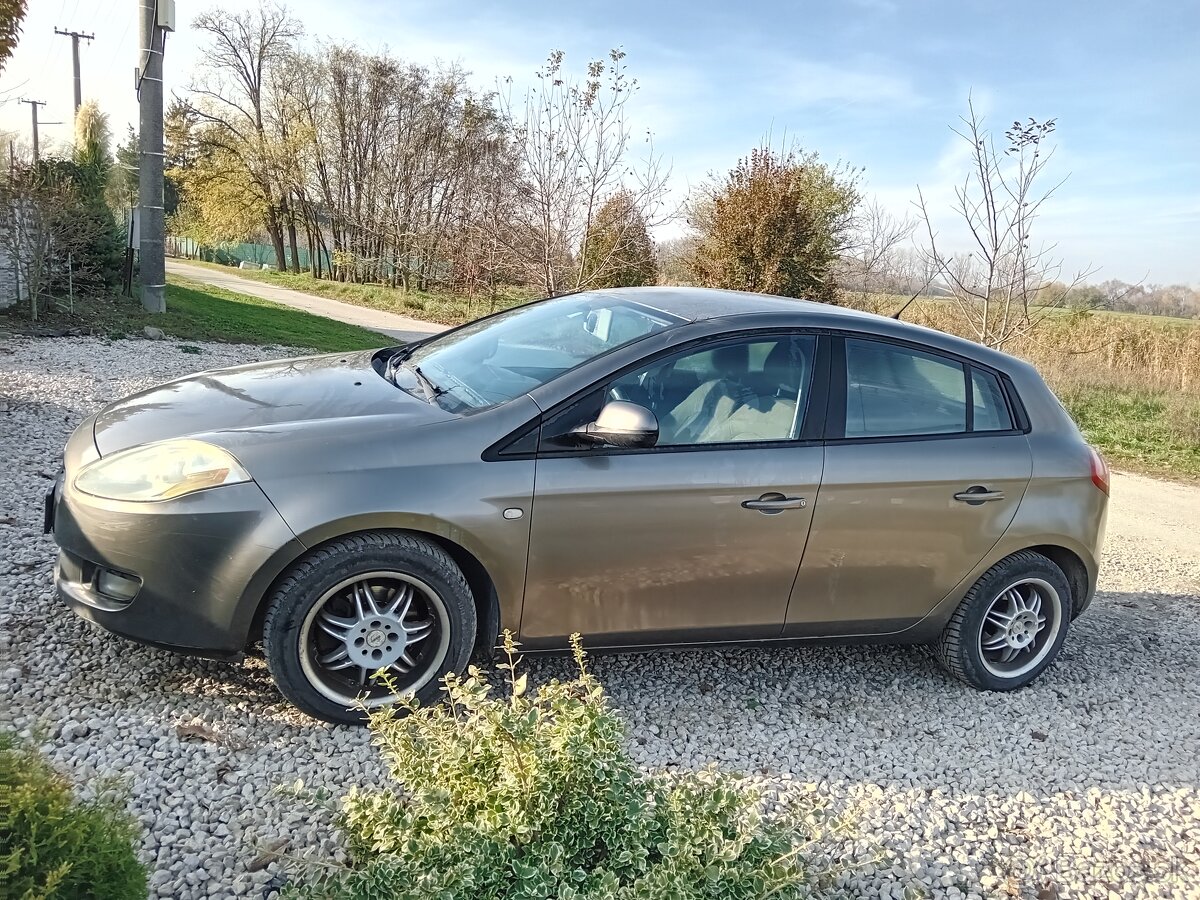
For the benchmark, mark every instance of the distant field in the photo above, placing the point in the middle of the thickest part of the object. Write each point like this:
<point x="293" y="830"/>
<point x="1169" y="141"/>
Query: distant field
<point x="1131" y="381"/>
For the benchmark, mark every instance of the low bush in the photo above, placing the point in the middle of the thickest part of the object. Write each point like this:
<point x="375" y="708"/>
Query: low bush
<point x="53" y="846"/>
<point x="533" y="795"/>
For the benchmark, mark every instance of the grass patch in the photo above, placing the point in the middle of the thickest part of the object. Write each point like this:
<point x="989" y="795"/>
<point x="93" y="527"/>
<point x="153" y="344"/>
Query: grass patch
<point x="198" y="312"/>
<point x="438" y="306"/>
<point x="1148" y="430"/>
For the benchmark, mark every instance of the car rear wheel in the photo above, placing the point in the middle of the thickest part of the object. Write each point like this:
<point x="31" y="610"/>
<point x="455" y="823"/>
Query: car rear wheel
<point x="1010" y="626"/>
<point x="362" y="612"/>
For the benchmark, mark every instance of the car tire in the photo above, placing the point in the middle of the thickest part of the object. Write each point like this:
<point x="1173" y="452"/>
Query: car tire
<point x="994" y="641"/>
<point x="359" y="603"/>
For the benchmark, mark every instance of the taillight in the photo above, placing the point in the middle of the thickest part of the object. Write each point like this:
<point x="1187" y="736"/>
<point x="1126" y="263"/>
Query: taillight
<point x="1099" y="470"/>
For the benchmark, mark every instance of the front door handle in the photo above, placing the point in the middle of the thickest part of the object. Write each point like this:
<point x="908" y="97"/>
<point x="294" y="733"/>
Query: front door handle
<point x="772" y="503"/>
<point x="977" y="494"/>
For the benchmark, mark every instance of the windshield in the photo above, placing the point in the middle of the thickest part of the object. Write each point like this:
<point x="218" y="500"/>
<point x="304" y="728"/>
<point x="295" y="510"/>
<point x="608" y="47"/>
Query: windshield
<point x="492" y="361"/>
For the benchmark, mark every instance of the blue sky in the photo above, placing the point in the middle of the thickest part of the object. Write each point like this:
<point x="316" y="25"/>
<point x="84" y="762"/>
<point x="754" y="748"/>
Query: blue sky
<point x="875" y="83"/>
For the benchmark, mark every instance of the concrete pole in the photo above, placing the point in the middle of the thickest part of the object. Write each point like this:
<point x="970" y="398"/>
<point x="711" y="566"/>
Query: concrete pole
<point x="33" y="105"/>
<point x="75" y="37"/>
<point x="78" y="80"/>
<point x="150" y="164"/>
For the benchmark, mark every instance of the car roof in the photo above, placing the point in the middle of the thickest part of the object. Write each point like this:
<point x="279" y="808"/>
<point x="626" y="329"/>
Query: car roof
<point x="695" y="304"/>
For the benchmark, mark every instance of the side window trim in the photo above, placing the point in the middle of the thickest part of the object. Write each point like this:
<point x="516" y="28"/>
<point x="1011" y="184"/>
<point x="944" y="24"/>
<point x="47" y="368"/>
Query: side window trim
<point x="811" y="430"/>
<point x="969" y="393"/>
<point x="835" y="420"/>
<point x="816" y="414"/>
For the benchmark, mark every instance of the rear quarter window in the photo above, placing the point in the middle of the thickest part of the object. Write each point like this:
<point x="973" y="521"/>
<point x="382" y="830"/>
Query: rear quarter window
<point x="990" y="408"/>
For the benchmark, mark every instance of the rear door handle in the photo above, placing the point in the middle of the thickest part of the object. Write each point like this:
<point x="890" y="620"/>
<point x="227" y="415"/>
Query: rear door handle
<point x="775" y="503"/>
<point x="978" y="494"/>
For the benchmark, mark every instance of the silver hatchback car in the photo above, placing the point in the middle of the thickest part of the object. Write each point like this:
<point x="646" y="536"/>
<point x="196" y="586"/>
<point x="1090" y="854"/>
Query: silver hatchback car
<point x="648" y="467"/>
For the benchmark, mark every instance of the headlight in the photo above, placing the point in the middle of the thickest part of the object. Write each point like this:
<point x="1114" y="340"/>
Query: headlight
<point x="160" y="471"/>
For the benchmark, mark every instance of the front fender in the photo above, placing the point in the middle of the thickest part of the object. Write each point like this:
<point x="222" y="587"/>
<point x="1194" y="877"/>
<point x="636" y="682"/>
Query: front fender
<point x="463" y="504"/>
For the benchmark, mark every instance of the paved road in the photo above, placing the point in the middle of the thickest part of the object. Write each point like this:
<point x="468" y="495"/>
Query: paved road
<point x="391" y="324"/>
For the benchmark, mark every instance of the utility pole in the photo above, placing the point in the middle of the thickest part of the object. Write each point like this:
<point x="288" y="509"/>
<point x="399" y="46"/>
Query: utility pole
<point x="75" y="37"/>
<point x="33" y="105"/>
<point x="151" y="225"/>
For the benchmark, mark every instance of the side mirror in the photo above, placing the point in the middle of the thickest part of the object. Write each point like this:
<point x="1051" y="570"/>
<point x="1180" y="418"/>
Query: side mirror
<point x="620" y="424"/>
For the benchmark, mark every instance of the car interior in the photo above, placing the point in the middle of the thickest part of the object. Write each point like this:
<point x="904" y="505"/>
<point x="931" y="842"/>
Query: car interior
<point x="731" y="393"/>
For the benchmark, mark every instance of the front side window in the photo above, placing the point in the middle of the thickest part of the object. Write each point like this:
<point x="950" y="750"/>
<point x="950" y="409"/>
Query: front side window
<point x="895" y="391"/>
<point x="494" y="360"/>
<point x="748" y="391"/>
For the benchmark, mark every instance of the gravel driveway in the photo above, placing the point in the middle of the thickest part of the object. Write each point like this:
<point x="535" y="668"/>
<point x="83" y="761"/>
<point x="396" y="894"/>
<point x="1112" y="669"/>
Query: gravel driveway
<point x="1087" y="782"/>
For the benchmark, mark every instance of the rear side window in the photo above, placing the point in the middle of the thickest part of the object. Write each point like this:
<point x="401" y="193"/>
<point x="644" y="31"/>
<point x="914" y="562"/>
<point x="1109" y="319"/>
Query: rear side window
<point x="895" y="391"/>
<point x="990" y="408"/>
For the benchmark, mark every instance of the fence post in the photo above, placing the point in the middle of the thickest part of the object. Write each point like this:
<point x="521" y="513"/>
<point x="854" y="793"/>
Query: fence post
<point x="70" y="284"/>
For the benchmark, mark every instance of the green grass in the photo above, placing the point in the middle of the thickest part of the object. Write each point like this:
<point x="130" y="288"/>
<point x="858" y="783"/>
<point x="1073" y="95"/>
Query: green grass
<point x="198" y="312"/>
<point x="444" y="307"/>
<point x="1152" y="431"/>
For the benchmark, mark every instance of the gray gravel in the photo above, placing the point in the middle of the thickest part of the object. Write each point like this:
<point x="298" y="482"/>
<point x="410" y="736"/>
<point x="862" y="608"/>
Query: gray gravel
<point x="1086" y="782"/>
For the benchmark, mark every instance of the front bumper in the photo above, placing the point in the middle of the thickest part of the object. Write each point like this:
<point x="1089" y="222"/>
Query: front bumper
<point x="204" y="560"/>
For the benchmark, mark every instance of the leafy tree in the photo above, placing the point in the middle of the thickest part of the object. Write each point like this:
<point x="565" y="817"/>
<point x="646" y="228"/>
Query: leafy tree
<point x="92" y="140"/>
<point x="619" y="251"/>
<point x="775" y="224"/>
<point x="220" y="200"/>
<point x="89" y="173"/>
<point x="11" y="14"/>
<point x="55" y="223"/>
<point x="122" y="189"/>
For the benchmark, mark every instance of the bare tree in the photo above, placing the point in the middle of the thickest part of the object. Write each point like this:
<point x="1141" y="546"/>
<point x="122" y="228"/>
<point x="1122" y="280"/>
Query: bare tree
<point x="243" y="50"/>
<point x="881" y="263"/>
<point x="575" y="150"/>
<point x="38" y="226"/>
<point x="1004" y="285"/>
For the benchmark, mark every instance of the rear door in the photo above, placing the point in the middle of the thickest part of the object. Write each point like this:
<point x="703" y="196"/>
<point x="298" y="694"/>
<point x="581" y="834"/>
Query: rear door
<point x="924" y="470"/>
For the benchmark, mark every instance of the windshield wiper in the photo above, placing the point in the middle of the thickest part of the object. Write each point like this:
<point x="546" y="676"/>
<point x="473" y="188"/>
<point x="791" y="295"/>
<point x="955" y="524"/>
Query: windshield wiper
<point x="393" y="363"/>
<point x="432" y="391"/>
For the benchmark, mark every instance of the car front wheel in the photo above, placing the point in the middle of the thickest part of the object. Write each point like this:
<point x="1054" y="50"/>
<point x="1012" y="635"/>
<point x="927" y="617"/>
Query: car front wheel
<point x="365" y="618"/>
<point x="1010" y="626"/>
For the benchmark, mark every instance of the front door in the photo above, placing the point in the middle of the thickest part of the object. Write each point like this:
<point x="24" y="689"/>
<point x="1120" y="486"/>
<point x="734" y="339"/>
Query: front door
<point x="696" y="539"/>
<point x="924" y="480"/>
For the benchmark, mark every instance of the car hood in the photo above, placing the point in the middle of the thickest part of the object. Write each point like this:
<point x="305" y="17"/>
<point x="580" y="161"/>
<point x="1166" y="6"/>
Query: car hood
<point x="257" y="396"/>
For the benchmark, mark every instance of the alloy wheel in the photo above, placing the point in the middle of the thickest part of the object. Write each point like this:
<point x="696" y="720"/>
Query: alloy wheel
<point x="387" y="622"/>
<point x="1019" y="627"/>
